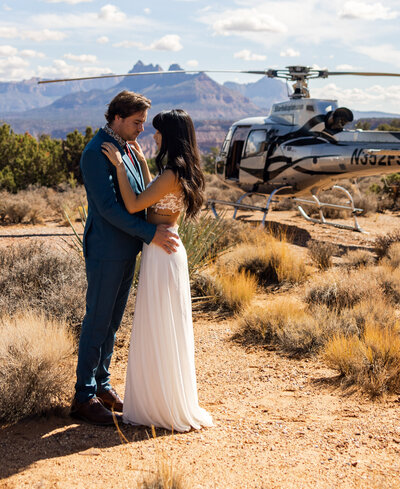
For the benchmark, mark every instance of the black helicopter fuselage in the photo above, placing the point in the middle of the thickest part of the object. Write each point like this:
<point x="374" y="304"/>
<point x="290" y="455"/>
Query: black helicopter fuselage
<point x="294" y="147"/>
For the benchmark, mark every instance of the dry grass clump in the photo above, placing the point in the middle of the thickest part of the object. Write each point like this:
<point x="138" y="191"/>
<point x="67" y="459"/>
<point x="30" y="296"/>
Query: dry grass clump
<point x="270" y="260"/>
<point x="33" y="275"/>
<point x="296" y="328"/>
<point x="371" y="361"/>
<point x="25" y="207"/>
<point x="36" y="204"/>
<point x="166" y="477"/>
<point x="343" y="288"/>
<point x="65" y="199"/>
<point x="393" y="256"/>
<point x="321" y="253"/>
<point x="235" y="291"/>
<point x="226" y="291"/>
<point x="358" y="258"/>
<point x="288" y="324"/>
<point x="382" y="243"/>
<point x="35" y="365"/>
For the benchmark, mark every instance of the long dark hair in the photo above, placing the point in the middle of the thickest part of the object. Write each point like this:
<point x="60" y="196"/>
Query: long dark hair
<point x="179" y="148"/>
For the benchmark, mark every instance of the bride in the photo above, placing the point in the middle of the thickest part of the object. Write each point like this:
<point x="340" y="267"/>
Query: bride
<point x="161" y="379"/>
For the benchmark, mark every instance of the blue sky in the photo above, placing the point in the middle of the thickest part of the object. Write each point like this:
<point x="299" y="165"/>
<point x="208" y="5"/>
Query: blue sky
<point x="68" y="38"/>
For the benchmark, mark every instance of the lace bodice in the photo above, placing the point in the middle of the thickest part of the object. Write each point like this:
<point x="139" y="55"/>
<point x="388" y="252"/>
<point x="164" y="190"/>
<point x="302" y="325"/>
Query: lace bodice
<point x="171" y="202"/>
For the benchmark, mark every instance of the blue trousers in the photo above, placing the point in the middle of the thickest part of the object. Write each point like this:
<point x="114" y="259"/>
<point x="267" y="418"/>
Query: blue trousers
<point x="109" y="283"/>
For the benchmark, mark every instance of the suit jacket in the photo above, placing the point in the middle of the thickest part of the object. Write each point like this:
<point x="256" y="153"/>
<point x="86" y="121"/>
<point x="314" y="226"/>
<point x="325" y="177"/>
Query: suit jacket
<point x="111" y="233"/>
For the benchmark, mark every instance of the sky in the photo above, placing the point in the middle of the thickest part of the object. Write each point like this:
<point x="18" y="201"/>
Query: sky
<point x="69" y="38"/>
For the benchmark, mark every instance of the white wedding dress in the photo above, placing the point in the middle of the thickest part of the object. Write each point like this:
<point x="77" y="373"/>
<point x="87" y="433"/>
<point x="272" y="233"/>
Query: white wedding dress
<point x="161" y="379"/>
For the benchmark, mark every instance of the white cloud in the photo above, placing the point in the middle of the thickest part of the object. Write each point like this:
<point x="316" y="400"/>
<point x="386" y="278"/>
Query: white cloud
<point x="247" y="20"/>
<point x="147" y="11"/>
<point x="111" y="13"/>
<point x="364" y="11"/>
<point x="247" y="55"/>
<point x="8" y="32"/>
<point x="192" y="63"/>
<point x="82" y="58"/>
<point x="8" y="50"/>
<point x="30" y="53"/>
<point x="346" y="67"/>
<point x="44" y="35"/>
<point x="383" y="53"/>
<point x="289" y="53"/>
<point x="357" y="98"/>
<point x="61" y="69"/>
<point x="170" y="42"/>
<point x="102" y="40"/>
<point x="71" y="2"/>
<point x="6" y="7"/>
<point x="26" y="53"/>
<point x="12" y="62"/>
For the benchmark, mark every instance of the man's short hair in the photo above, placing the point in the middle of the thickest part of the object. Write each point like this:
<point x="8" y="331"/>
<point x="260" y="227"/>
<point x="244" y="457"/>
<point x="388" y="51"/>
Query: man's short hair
<point x="125" y="104"/>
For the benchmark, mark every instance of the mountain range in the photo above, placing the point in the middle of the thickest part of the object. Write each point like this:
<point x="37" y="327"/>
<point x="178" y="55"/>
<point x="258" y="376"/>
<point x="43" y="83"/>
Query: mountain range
<point x="59" y="108"/>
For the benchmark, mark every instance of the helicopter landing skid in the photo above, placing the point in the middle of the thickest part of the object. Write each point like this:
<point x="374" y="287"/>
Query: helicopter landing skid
<point x="238" y="204"/>
<point x="320" y="205"/>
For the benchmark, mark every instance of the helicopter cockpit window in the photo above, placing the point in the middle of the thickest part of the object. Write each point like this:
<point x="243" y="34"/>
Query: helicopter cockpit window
<point x="256" y="143"/>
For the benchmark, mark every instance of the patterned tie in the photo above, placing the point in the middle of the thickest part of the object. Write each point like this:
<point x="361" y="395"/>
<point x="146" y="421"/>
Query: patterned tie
<point x="128" y="152"/>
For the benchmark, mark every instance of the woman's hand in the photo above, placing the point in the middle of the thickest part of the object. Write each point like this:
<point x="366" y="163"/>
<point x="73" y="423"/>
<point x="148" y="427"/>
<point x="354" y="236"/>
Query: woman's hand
<point x="137" y="150"/>
<point x="112" y="154"/>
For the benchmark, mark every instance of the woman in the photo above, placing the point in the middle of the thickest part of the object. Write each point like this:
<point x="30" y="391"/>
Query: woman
<point x="161" y="380"/>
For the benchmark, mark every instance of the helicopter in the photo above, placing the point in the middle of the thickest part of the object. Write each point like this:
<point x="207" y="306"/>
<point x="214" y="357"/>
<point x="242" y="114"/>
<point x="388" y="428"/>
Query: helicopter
<point x="300" y="148"/>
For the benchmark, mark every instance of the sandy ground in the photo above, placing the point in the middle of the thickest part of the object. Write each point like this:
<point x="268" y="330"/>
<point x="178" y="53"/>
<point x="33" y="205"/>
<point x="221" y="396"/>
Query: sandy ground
<point x="279" y="422"/>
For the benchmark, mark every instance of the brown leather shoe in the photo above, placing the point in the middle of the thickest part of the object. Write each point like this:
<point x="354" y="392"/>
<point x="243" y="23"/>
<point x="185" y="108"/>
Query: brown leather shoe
<point x="111" y="400"/>
<point x="93" y="412"/>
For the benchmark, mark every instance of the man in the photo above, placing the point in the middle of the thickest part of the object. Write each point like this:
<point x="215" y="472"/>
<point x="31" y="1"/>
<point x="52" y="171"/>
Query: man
<point x="111" y="242"/>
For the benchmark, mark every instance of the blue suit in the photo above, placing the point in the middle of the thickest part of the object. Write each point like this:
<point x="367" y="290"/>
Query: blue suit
<point x="111" y="242"/>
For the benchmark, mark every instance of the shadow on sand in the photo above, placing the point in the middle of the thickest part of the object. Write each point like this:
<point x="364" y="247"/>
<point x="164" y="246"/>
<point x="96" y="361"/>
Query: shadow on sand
<point x="35" y="439"/>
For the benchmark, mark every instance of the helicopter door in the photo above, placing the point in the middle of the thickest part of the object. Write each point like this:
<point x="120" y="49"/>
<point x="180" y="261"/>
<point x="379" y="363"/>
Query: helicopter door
<point x="235" y="152"/>
<point x="252" y="164"/>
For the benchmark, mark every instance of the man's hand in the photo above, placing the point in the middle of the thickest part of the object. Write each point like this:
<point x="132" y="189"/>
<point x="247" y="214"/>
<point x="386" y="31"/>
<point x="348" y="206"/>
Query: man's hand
<point x="165" y="238"/>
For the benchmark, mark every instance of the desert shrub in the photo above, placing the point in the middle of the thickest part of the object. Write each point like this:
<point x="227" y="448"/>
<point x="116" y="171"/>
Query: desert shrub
<point x="393" y="255"/>
<point x="368" y="203"/>
<point x="201" y="240"/>
<point x="358" y="258"/>
<point x="25" y="207"/>
<point x="34" y="275"/>
<point x="321" y="253"/>
<point x="338" y="289"/>
<point x="36" y="370"/>
<point x="287" y="324"/>
<point x="225" y="291"/>
<point x="383" y="242"/>
<point x="270" y="260"/>
<point x="294" y="327"/>
<point x="389" y="282"/>
<point x="65" y="199"/>
<point x="371" y="360"/>
<point x="234" y="291"/>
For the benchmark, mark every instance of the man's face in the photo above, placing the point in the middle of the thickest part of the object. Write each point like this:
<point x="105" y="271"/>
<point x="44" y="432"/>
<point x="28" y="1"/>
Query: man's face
<point x="130" y="127"/>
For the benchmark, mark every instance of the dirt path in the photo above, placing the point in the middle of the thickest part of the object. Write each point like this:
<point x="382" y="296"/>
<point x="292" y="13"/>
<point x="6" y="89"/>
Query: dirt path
<point x="279" y="422"/>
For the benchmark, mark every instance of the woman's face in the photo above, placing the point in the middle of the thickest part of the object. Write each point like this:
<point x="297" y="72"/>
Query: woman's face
<point x="158" y="138"/>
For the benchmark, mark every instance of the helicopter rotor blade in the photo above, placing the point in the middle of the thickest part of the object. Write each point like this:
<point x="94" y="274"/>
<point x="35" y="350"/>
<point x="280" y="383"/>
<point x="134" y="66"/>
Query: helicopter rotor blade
<point x="264" y="72"/>
<point x="360" y="73"/>
<point x="271" y="73"/>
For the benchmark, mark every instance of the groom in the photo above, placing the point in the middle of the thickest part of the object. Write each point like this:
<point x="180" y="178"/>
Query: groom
<point x="111" y="242"/>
